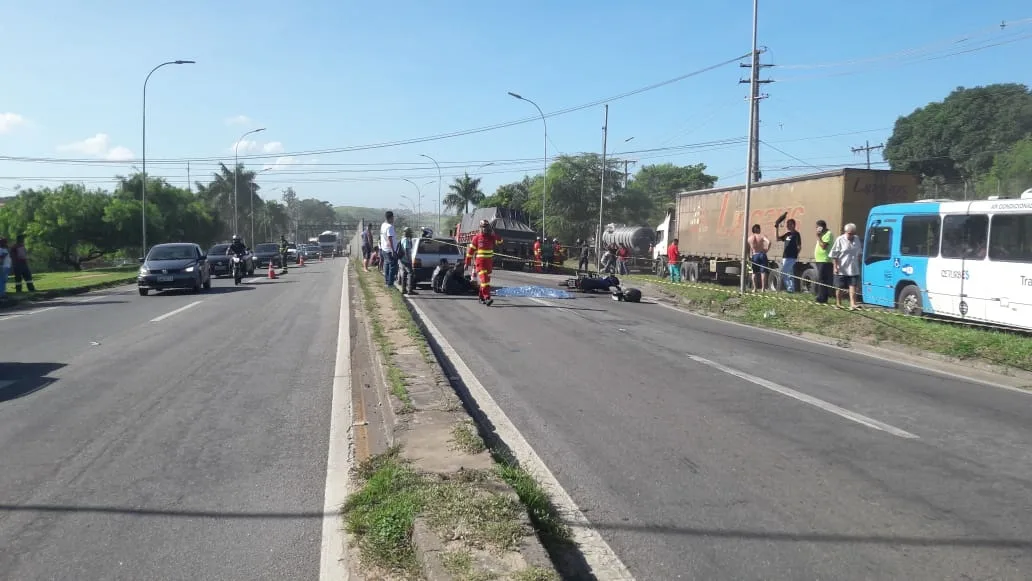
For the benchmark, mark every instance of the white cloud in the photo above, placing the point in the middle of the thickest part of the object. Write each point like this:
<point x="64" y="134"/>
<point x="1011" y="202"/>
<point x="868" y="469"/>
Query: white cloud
<point x="273" y="147"/>
<point x="98" y="146"/>
<point x="10" y="121"/>
<point x="119" y="153"/>
<point x="238" y="120"/>
<point x="245" y="147"/>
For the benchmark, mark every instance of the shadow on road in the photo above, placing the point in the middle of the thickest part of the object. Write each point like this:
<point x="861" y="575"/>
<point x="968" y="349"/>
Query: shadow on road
<point x="21" y="379"/>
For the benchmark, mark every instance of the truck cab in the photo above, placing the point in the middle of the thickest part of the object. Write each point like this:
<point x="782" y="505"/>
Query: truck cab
<point x="665" y="234"/>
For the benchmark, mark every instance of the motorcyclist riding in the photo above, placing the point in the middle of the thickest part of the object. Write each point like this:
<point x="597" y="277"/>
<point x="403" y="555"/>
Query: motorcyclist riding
<point x="237" y="246"/>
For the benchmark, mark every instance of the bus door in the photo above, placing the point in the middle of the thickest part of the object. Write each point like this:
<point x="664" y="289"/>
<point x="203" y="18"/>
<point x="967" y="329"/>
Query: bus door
<point x="1010" y="256"/>
<point x="963" y="274"/>
<point x="878" y="274"/>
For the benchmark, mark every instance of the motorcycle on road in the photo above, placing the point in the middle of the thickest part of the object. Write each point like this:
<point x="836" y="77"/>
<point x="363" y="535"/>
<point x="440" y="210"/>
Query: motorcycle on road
<point x="238" y="268"/>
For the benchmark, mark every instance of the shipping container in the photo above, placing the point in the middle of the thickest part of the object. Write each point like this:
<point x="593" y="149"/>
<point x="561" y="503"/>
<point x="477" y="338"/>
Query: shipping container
<point x="709" y="222"/>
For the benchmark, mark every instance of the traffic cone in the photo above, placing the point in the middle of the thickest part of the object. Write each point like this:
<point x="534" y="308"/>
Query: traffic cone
<point x="272" y="272"/>
<point x="301" y="260"/>
<point x="320" y="256"/>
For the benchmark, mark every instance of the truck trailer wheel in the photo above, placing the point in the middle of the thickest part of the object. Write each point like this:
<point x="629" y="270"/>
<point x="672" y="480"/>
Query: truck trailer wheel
<point x="774" y="280"/>
<point x="809" y="281"/>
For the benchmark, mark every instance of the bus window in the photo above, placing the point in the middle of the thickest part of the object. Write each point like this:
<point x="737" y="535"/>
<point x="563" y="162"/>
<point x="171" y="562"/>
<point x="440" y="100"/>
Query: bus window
<point x="879" y="245"/>
<point x="1011" y="238"/>
<point x="919" y="236"/>
<point x="965" y="236"/>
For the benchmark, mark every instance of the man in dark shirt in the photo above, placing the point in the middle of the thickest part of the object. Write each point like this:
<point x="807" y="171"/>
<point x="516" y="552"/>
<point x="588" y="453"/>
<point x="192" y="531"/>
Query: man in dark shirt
<point x="793" y="241"/>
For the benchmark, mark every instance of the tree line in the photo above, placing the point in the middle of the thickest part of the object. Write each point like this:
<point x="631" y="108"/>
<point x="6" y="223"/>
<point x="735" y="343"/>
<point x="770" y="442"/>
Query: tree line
<point x="70" y="225"/>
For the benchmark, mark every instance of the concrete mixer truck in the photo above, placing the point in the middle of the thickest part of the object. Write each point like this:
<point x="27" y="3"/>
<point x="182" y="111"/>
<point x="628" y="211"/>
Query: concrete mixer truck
<point x="638" y="239"/>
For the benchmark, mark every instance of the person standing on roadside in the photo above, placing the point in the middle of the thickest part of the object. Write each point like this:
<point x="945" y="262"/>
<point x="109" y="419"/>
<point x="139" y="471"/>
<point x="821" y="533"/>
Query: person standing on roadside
<point x="793" y="242"/>
<point x="406" y="253"/>
<point x="759" y="245"/>
<point x="5" y="267"/>
<point x="367" y="246"/>
<point x="388" y="249"/>
<point x="585" y="255"/>
<point x="673" y="254"/>
<point x="20" y="265"/>
<point x="845" y="256"/>
<point x="825" y="270"/>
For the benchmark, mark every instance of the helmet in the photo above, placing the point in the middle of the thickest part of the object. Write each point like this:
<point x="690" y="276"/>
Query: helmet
<point x="555" y="240"/>
<point x="236" y="238"/>
<point x="407" y="231"/>
<point x="485" y="224"/>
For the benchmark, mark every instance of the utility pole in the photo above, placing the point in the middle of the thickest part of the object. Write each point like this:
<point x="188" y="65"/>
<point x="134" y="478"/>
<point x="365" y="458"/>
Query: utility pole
<point x="752" y="162"/>
<point x="867" y="149"/>
<point x="755" y="96"/>
<point x="189" y="184"/>
<point x="627" y="174"/>
<point x="602" y="192"/>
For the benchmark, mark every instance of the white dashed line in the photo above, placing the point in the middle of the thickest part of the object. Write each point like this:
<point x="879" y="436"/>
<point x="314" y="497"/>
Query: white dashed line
<point x="816" y="402"/>
<point x="175" y="312"/>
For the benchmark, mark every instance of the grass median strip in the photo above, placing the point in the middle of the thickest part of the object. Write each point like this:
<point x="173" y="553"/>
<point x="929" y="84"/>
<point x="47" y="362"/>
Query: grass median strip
<point x="55" y="284"/>
<point x="395" y="376"/>
<point x="800" y="314"/>
<point x="465" y="507"/>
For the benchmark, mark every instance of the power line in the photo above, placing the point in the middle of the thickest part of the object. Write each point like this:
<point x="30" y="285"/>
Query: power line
<point x="460" y="133"/>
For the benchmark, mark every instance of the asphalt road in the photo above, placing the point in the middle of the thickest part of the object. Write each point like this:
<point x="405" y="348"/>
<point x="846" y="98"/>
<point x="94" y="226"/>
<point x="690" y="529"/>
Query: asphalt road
<point x="174" y="436"/>
<point x="706" y="450"/>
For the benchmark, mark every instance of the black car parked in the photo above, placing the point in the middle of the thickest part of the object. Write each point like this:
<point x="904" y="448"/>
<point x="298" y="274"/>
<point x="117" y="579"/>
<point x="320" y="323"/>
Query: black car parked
<point x="179" y="265"/>
<point x="267" y="252"/>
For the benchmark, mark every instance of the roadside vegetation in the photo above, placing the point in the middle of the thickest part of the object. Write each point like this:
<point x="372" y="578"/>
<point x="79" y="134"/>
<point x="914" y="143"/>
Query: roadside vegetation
<point x="800" y="314"/>
<point x="55" y="284"/>
<point x="395" y="376"/>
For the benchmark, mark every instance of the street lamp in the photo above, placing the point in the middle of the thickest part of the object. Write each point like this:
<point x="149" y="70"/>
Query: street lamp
<point x="419" y="194"/>
<point x="544" y="192"/>
<point x="143" y="197"/>
<point x="439" y="183"/>
<point x="254" y="186"/>
<point x="236" y="173"/>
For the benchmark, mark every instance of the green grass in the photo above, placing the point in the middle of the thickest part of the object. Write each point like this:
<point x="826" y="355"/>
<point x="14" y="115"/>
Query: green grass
<point x="411" y="327"/>
<point x="465" y="437"/>
<point x="382" y="513"/>
<point x="534" y="574"/>
<point x="799" y="314"/>
<point x="66" y="281"/>
<point x="542" y="512"/>
<point x="395" y="376"/>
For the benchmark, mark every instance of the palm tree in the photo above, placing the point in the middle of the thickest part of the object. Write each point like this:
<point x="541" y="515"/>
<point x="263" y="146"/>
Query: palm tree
<point x="218" y="194"/>
<point x="464" y="191"/>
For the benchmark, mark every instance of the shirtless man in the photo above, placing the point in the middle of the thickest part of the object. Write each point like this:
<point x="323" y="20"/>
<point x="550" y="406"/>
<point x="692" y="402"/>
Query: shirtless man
<point x="758" y="247"/>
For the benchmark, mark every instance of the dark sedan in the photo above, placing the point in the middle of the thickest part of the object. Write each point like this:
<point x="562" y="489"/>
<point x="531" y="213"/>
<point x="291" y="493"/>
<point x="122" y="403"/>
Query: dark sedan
<point x="266" y="253"/>
<point x="221" y="264"/>
<point x="174" y="266"/>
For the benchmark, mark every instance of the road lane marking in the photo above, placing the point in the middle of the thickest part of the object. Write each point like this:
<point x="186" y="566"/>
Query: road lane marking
<point x="333" y="563"/>
<point x="599" y="556"/>
<point x="175" y="312"/>
<point x="816" y="402"/>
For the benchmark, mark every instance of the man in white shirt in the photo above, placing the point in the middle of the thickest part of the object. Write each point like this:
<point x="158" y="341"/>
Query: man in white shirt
<point x="845" y="257"/>
<point x="388" y="249"/>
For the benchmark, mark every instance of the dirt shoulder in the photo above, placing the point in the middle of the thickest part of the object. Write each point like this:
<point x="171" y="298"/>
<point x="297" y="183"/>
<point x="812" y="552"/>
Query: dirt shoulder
<point x="429" y="500"/>
<point x="984" y="354"/>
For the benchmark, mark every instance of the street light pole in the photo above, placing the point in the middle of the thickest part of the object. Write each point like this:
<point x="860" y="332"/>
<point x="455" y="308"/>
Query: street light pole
<point x="236" y="173"/>
<point x="143" y="196"/>
<point x="439" y="184"/>
<point x="544" y="191"/>
<point x="419" y="198"/>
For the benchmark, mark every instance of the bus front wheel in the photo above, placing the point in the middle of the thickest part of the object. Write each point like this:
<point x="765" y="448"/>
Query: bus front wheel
<point x="909" y="301"/>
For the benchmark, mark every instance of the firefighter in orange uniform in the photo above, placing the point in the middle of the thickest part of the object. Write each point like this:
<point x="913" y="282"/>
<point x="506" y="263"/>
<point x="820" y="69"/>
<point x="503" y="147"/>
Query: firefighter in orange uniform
<point x="481" y="254"/>
<point x="558" y="260"/>
<point x="537" y="255"/>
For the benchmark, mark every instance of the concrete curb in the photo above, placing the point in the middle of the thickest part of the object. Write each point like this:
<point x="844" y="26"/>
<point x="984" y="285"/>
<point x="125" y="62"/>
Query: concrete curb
<point x="424" y="433"/>
<point x="43" y="296"/>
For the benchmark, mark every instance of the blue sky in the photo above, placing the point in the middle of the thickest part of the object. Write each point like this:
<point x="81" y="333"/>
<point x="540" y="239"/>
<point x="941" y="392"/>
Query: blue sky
<point x="323" y="75"/>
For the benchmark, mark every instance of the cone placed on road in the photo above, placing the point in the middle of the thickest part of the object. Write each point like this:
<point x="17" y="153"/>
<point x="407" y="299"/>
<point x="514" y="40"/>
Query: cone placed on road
<point x="301" y="260"/>
<point x="272" y="272"/>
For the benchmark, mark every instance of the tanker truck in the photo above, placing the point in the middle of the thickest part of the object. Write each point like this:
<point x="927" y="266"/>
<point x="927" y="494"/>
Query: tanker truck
<point x="709" y="222"/>
<point x="638" y="239"/>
